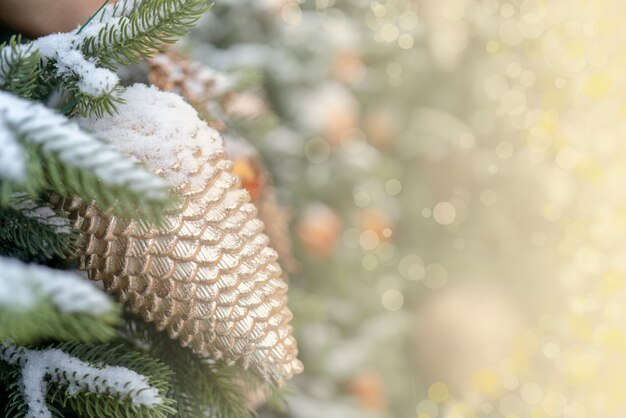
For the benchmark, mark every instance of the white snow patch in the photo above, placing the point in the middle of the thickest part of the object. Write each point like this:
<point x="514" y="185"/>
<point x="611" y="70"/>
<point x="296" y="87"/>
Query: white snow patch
<point x="22" y="286"/>
<point x="53" y="365"/>
<point x="39" y="212"/>
<point x="160" y="129"/>
<point x="15" y="293"/>
<point x="12" y="155"/>
<point x="61" y="47"/>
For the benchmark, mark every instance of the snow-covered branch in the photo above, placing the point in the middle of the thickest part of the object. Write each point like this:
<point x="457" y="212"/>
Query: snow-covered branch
<point x="81" y="61"/>
<point x="54" y="135"/>
<point x="41" y="367"/>
<point x="22" y="286"/>
<point x="12" y="156"/>
<point x="124" y="37"/>
<point x="40" y="213"/>
<point x="70" y="62"/>
<point x="19" y="67"/>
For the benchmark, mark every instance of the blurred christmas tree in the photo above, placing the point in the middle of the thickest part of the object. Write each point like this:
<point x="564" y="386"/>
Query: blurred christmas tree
<point x="342" y="185"/>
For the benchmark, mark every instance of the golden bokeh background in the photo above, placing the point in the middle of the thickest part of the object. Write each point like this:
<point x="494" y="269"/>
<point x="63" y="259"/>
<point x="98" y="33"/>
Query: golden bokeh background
<point x="526" y="317"/>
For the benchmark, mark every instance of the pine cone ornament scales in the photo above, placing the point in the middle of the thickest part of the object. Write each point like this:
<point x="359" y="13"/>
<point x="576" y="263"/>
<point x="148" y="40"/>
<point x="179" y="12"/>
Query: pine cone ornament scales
<point x="207" y="275"/>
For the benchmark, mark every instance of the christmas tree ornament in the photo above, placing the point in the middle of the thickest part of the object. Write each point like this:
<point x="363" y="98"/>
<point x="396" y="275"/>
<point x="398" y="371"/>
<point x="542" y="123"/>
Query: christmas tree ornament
<point x="207" y="91"/>
<point x="206" y="275"/>
<point x="375" y="220"/>
<point x="348" y="66"/>
<point x="380" y="128"/>
<point x="369" y="389"/>
<point x="319" y="229"/>
<point x="248" y="166"/>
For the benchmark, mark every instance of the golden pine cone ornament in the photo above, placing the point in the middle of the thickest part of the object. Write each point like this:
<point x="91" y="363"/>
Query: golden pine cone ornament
<point x="207" y="276"/>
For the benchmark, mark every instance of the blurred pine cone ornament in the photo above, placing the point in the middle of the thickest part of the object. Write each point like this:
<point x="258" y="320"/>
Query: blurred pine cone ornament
<point x="202" y="87"/>
<point x="207" y="275"/>
<point x="221" y="98"/>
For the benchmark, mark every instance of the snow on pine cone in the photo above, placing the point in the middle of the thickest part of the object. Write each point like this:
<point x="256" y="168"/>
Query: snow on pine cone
<point x="207" y="276"/>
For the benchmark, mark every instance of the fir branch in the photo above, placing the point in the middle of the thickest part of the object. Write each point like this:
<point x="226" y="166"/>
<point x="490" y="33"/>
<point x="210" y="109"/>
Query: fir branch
<point x="127" y="39"/>
<point x="46" y="322"/>
<point x="20" y="67"/>
<point x="276" y="397"/>
<point x="32" y="69"/>
<point x="14" y="404"/>
<point x="23" y="283"/>
<point x="95" y="89"/>
<point x="72" y="162"/>
<point x="87" y="105"/>
<point x="37" y="303"/>
<point x="41" y="213"/>
<point x="123" y="32"/>
<point x="201" y="387"/>
<point x="222" y="389"/>
<point x="90" y="380"/>
<point x="32" y="231"/>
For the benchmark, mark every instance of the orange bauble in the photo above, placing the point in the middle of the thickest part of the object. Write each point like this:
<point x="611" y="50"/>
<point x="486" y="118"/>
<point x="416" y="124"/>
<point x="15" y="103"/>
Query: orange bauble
<point x="368" y="388"/>
<point x="380" y="128"/>
<point x="252" y="178"/>
<point x="348" y="67"/>
<point x="377" y="221"/>
<point x="319" y="230"/>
